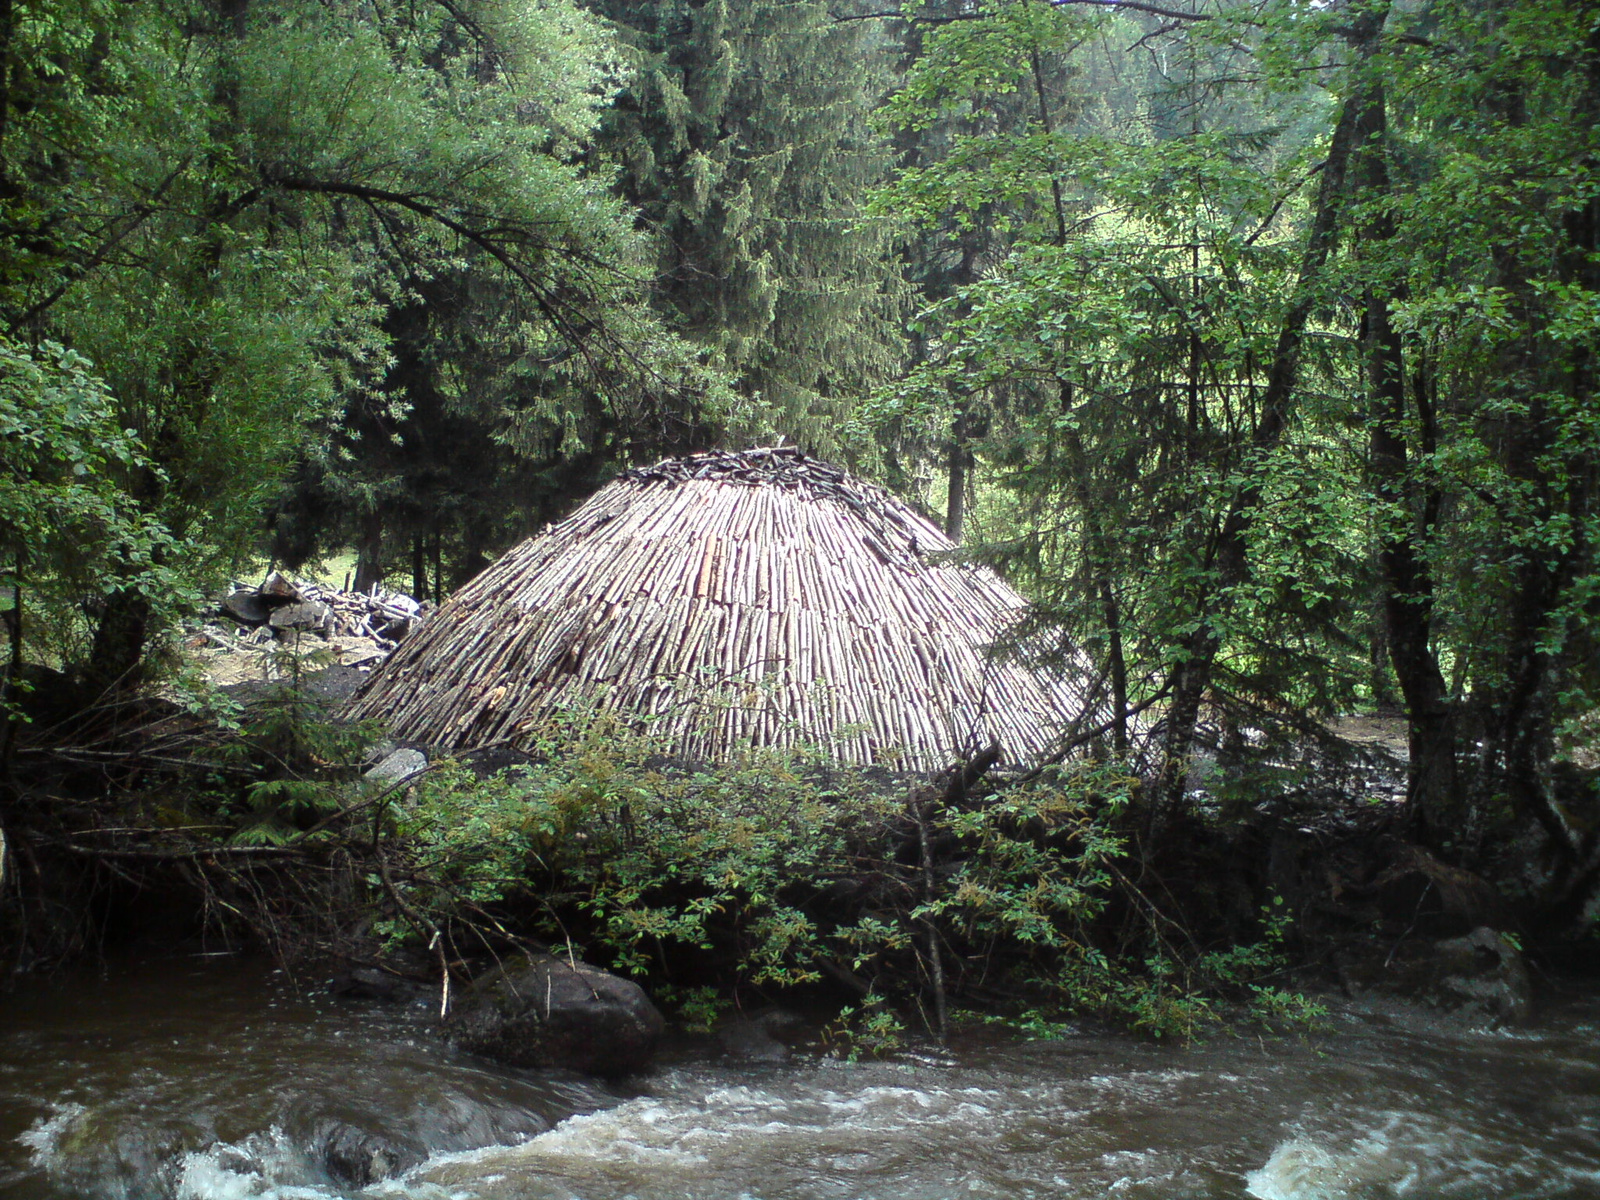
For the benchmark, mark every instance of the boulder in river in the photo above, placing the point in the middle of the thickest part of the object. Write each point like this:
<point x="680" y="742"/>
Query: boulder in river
<point x="374" y="983"/>
<point x="1484" y="972"/>
<point x="357" y="1158"/>
<point x="551" y="1012"/>
<point x="757" y="1037"/>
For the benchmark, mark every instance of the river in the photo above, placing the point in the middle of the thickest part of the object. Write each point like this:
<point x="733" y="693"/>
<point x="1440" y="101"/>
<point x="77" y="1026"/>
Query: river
<point x="209" y="1079"/>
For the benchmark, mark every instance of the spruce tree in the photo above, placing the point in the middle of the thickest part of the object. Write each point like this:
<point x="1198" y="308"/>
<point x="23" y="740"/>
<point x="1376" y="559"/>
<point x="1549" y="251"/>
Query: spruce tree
<point x="234" y="208"/>
<point x="746" y="144"/>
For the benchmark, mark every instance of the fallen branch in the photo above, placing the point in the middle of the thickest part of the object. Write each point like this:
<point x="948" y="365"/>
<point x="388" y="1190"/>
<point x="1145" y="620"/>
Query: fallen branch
<point x="178" y="855"/>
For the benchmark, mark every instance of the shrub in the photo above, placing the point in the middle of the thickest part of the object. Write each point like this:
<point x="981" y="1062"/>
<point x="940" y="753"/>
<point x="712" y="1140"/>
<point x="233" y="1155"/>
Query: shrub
<point x="778" y="870"/>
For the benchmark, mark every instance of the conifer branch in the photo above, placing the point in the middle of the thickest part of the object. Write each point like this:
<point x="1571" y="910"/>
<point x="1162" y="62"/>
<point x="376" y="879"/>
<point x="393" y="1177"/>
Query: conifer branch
<point x="1154" y="10"/>
<point x="483" y="239"/>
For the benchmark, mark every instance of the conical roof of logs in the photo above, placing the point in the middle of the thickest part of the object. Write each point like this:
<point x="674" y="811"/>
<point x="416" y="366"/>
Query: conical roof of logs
<point x="725" y="600"/>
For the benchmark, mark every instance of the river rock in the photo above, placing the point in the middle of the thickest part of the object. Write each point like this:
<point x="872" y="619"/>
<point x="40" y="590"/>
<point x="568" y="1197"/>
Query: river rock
<point x="357" y="1158"/>
<point x="371" y="983"/>
<point x="549" y="1012"/>
<point x="398" y="766"/>
<point x="756" y="1037"/>
<point x="1480" y="975"/>
<point x="1485" y="972"/>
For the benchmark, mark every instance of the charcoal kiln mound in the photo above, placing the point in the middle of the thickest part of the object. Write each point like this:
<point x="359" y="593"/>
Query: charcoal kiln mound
<point x="726" y="600"/>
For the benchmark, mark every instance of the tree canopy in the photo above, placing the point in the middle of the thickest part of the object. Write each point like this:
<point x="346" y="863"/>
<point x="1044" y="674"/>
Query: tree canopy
<point x="1289" y="367"/>
<point x="1256" y="341"/>
<point x="230" y="208"/>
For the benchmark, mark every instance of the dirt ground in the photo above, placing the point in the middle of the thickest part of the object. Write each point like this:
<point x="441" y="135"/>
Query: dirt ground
<point x="225" y="659"/>
<point x="1386" y="733"/>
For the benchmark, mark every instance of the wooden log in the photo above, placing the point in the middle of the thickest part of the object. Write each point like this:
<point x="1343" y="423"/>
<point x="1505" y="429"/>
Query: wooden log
<point x="279" y="589"/>
<point x="247" y="608"/>
<point x="307" y="614"/>
<point x="692" y="584"/>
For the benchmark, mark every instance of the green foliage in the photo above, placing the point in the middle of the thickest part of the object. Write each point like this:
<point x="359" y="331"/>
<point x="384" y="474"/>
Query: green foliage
<point x="1113" y="355"/>
<point x="1153" y="1003"/>
<point x="1169" y="997"/>
<point x="67" y="520"/>
<point x="745" y="141"/>
<point x="868" y="1030"/>
<point x="649" y="858"/>
<point x="777" y="872"/>
<point x="1291" y="387"/>
<point x="1035" y="863"/>
<point x="292" y="768"/>
<point x="699" y="1009"/>
<point x="1274" y="334"/>
<point x="1497" y="171"/>
<point x="230" y="215"/>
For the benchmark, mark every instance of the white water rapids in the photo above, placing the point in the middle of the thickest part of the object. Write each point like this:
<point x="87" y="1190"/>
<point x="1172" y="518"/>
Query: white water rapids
<point x="207" y="1081"/>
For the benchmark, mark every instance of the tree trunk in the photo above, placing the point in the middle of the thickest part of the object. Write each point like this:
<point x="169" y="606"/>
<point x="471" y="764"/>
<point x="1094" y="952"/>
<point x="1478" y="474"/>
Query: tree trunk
<point x="955" y="517"/>
<point x="8" y="26"/>
<point x="1552" y="465"/>
<point x="438" y="566"/>
<point x="419" y="565"/>
<point x="119" y="642"/>
<point x="1188" y="687"/>
<point x="1379" y="680"/>
<point x="369" y="553"/>
<point x="1431" y="791"/>
<point x="1102" y="572"/>
<point x="9" y="694"/>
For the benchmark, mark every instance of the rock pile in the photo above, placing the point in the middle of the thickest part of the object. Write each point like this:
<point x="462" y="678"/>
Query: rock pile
<point x="254" y="628"/>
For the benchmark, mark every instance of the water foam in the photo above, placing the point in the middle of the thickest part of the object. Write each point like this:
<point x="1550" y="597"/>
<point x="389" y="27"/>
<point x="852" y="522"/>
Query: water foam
<point x="1413" y="1155"/>
<point x="264" y="1166"/>
<point x="638" y="1131"/>
<point x="43" y="1138"/>
<point x="1299" y="1169"/>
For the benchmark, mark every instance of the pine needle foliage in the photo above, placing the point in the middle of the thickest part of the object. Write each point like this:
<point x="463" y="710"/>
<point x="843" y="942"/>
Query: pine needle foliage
<point x="746" y="145"/>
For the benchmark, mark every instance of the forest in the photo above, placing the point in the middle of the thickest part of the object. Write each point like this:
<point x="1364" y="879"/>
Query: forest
<point x="1254" y="341"/>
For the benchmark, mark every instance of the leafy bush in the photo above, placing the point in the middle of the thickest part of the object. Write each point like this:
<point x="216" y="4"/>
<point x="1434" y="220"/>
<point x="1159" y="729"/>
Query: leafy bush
<point x="71" y="530"/>
<point x="777" y="871"/>
<point x="647" y="857"/>
<point x="772" y="872"/>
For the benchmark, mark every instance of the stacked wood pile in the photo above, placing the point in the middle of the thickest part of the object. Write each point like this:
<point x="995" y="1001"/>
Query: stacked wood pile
<point x="725" y="599"/>
<point x="282" y="613"/>
<point x="286" y="604"/>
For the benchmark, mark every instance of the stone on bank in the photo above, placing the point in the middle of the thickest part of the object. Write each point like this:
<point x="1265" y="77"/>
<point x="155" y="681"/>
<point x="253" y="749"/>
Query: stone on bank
<point x="551" y="1012"/>
<point x="1481" y="975"/>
